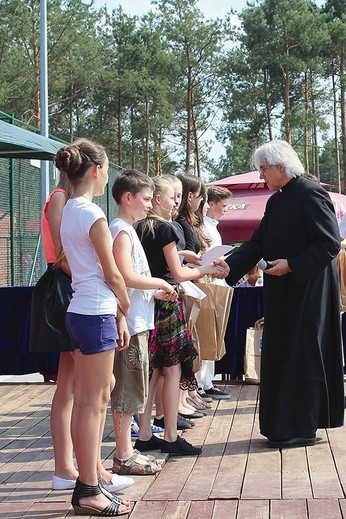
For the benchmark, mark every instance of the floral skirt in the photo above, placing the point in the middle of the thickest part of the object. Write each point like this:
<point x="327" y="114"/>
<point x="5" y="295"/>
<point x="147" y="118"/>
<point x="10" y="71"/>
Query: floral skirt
<point x="170" y="342"/>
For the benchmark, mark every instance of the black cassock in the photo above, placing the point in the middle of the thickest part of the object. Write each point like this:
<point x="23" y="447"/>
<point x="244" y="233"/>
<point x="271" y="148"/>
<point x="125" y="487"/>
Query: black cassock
<point x="301" y="386"/>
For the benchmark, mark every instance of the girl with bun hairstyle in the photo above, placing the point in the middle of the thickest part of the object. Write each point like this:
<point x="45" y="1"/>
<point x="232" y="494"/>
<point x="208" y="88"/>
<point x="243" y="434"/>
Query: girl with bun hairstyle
<point x="98" y="307"/>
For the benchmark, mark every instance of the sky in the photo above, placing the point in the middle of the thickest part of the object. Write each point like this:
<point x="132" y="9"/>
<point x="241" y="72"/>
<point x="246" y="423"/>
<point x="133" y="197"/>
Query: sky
<point x="210" y="8"/>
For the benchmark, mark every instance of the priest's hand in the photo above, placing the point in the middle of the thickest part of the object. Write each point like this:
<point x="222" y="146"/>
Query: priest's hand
<point x="221" y="263"/>
<point x="278" y="267"/>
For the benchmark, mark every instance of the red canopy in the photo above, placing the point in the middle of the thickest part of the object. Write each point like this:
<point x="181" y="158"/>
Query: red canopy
<point x="249" y="180"/>
<point x="247" y="205"/>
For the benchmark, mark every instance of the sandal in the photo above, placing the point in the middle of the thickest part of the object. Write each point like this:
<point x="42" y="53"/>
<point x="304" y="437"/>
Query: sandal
<point x="150" y="457"/>
<point x="113" y="497"/>
<point x="132" y="467"/>
<point x="81" y="490"/>
<point x="196" y="405"/>
<point x="199" y="400"/>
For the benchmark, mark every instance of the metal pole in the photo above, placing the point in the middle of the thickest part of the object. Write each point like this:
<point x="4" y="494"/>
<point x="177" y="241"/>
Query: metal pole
<point x="44" y="176"/>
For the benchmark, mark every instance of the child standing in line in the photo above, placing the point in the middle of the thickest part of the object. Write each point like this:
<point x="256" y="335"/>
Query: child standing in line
<point x="133" y="192"/>
<point x="170" y="346"/>
<point x="189" y="257"/>
<point x="90" y="320"/>
<point x="218" y="200"/>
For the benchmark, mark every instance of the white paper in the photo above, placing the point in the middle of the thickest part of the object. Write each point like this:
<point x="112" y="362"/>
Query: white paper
<point x="213" y="254"/>
<point x="192" y="290"/>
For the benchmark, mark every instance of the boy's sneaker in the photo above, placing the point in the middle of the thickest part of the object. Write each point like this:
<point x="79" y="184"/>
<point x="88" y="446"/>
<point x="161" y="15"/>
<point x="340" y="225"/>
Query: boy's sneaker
<point x="134" y="428"/>
<point x="180" y="448"/>
<point x="155" y="429"/>
<point x="204" y="395"/>
<point x="216" y="394"/>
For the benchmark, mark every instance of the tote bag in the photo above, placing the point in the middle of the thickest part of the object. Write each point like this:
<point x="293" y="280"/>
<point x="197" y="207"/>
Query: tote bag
<point x="252" y="356"/>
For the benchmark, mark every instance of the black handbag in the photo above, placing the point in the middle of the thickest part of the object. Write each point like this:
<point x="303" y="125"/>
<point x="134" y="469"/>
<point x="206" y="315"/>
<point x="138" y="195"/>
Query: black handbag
<point x="50" y="300"/>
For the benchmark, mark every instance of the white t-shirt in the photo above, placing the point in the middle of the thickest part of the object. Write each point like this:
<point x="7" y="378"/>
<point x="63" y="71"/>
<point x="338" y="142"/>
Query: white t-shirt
<point x="91" y="296"/>
<point x="209" y="228"/>
<point x="259" y="283"/>
<point x="141" y="313"/>
<point x="342" y="227"/>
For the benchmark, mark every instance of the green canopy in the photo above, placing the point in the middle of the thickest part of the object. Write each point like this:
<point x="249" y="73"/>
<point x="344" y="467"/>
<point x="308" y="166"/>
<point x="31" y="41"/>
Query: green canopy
<point x="23" y="144"/>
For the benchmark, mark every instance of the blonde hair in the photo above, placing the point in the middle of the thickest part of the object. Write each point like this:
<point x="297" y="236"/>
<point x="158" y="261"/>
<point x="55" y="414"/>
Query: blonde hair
<point x="162" y="186"/>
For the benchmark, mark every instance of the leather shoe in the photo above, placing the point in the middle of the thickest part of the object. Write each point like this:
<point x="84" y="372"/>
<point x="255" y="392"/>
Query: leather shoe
<point x="195" y="414"/>
<point x="293" y="442"/>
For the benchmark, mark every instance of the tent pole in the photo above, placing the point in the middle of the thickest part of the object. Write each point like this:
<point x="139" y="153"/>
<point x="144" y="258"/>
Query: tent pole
<point x="44" y="176"/>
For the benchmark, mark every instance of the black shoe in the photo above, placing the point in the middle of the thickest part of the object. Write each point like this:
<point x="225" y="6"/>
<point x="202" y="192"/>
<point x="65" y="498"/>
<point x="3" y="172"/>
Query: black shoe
<point x="160" y="422"/>
<point x="204" y="395"/>
<point x="196" y="414"/>
<point x="148" y="445"/>
<point x="293" y="442"/>
<point x="217" y="394"/>
<point x="182" y="423"/>
<point x="180" y="448"/>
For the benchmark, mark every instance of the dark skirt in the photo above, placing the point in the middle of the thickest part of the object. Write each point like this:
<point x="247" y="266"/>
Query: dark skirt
<point x="170" y="342"/>
<point x="50" y="300"/>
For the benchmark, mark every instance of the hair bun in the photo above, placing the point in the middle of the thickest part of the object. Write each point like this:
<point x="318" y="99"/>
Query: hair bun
<point x="69" y="159"/>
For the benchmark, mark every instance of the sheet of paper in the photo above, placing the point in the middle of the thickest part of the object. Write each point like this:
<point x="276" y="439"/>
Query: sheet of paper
<point x="192" y="290"/>
<point x="213" y="254"/>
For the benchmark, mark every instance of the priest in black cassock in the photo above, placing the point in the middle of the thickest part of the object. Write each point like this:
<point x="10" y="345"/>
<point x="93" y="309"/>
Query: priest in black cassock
<point x="301" y="386"/>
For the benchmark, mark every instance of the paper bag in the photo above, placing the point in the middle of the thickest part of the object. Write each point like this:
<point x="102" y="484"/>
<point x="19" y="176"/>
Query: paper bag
<point x="212" y="320"/>
<point x="252" y="356"/>
<point x="341" y="260"/>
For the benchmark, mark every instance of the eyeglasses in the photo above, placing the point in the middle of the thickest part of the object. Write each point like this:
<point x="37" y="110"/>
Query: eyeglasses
<point x="262" y="169"/>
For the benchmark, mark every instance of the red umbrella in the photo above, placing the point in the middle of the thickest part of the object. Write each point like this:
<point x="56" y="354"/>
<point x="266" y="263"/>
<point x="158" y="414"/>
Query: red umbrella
<point x="247" y="206"/>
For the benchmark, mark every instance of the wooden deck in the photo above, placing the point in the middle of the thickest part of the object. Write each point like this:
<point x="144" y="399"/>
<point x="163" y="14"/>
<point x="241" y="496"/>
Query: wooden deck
<point x="236" y="477"/>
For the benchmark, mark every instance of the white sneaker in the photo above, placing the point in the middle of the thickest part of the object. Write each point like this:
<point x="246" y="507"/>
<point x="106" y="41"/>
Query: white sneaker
<point x="119" y="483"/>
<point x="62" y="484"/>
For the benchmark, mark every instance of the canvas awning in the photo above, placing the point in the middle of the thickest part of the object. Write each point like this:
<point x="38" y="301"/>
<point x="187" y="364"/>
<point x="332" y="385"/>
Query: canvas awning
<point x="247" y="205"/>
<point x="18" y="143"/>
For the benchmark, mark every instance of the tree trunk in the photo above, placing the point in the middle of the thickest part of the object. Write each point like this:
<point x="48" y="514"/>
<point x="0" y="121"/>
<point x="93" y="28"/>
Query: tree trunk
<point x="36" y="65"/>
<point x="71" y="110"/>
<point x="188" y="115"/>
<point x="336" y="135"/>
<point x="343" y="116"/>
<point x="147" y="136"/>
<point x="197" y="165"/>
<point x="120" y="130"/>
<point x="287" y="105"/>
<point x="157" y="151"/>
<point x="269" y="123"/>
<point x="314" y="129"/>
<point x="133" y="151"/>
<point x="306" y="125"/>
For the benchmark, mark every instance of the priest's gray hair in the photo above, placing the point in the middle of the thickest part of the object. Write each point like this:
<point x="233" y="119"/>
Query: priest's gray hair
<point x="278" y="152"/>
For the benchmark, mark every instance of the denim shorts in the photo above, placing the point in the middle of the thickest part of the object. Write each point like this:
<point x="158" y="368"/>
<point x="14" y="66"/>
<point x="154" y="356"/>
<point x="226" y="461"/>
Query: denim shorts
<point x="131" y="373"/>
<point x="92" y="333"/>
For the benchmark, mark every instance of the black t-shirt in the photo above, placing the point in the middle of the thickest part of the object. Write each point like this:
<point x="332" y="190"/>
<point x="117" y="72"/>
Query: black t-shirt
<point x="153" y="244"/>
<point x="180" y="233"/>
<point x="191" y="240"/>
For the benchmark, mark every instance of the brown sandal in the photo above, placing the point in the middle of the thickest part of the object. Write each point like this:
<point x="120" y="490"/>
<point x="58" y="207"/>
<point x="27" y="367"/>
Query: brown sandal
<point x="132" y="467"/>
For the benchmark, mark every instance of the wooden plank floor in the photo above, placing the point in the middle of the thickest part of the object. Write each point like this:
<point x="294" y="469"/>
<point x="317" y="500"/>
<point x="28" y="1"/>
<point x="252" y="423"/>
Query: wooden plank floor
<point x="236" y="477"/>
